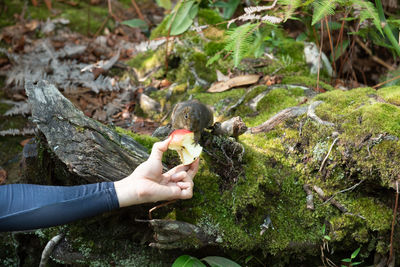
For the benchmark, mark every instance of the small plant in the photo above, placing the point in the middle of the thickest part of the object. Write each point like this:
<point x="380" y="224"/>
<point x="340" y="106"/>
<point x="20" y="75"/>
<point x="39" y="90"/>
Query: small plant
<point x="213" y="261"/>
<point x="349" y="261"/>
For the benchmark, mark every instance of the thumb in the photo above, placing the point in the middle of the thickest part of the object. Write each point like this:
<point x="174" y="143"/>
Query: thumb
<point x="158" y="149"/>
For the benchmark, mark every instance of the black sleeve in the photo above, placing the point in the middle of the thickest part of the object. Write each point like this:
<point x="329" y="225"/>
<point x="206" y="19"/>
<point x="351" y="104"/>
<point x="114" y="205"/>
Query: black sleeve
<point x="27" y="206"/>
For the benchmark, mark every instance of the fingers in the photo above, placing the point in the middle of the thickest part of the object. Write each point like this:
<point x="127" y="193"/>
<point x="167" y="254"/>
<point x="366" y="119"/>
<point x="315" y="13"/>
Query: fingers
<point x="193" y="168"/>
<point x="158" y="149"/>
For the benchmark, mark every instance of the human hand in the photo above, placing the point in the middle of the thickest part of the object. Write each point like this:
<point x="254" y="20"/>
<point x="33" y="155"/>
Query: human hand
<point x="148" y="184"/>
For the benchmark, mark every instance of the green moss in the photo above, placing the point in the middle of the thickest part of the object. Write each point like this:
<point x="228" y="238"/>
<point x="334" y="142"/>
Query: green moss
<point x="273" y="102"/>
<point x="212" y="48"/>
<point x="390" y="94"/>
<point x="378" y="217"/>
<point x="147" y="61"/>
<point x="208" y="17"/>
<point x="145" y="140"/>
<point x="306" y="81"/>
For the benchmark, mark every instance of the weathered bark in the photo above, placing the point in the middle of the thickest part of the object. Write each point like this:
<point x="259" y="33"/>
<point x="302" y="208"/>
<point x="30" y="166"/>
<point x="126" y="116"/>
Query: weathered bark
<point x="87" y="147"/>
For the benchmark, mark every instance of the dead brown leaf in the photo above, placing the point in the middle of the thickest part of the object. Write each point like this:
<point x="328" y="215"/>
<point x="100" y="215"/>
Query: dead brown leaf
<point x="3" y="176"/>
<point x="234" y="82"/>
<point x="25" y="141"/>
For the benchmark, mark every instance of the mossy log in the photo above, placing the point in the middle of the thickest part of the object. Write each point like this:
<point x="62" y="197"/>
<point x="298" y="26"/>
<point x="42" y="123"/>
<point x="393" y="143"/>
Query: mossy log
<point x="341" y="147"/>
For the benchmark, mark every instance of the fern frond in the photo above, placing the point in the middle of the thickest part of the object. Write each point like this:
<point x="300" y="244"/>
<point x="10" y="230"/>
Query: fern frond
<point x="323" y="8"/>
<point x="240" y="41"/>
<point x="290" y="6"/>
<point x="368" y="11"/>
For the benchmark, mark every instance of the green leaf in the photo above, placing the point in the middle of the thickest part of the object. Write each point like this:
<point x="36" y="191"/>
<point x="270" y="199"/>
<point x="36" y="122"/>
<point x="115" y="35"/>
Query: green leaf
<point x="213" y="59"/>
<point x="216" y="261"/>
<point x="323" y="8"/>
<point x="368" y="11"/>
<point x="355" y="253"/>
<point x="249" y="258"/>
<point x="187" y="261"/>
<point x="323" y="229"/>
<point x="183" y="19"/>
<point x="136" y="23"/>
<point x="228" y="7"/>
<point x="240" y="41"/>
<point x="356" y="263"/>
<point x="327" y="237"/>
<point x="301" y="37"/>
<point x="164" y="3"/>
<point x="346" y="260"/>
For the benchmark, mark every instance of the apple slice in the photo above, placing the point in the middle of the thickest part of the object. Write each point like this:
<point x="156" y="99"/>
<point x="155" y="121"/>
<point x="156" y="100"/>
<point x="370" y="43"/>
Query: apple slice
<point x="182" y="141"/>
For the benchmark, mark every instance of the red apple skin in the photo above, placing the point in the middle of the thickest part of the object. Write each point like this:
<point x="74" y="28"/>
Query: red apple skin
<point x="177" y="136"/>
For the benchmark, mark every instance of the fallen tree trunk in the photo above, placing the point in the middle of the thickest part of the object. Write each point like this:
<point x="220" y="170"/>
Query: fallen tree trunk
<point x="88" y="148"/>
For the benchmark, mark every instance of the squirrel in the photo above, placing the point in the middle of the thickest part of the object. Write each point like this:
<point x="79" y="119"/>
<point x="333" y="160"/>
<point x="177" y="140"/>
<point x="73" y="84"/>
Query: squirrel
<point x="192" y="115"/>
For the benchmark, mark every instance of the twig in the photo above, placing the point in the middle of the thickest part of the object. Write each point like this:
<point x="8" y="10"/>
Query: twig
<point x="137" y="9"/>
<point x="319" y="56"/>
<point x="331" y="44"/>
<point x="49" y="249"/>
<point x="335" y="203"/>
<point x="385" y="82"/>
<point x="102" y="26"/>
<point x="393" y="223"/>
<point x="344" y="190"/>
<point x="374" y="58"/>
<point x="110" y="11"/>
<point x="312" y="115"/>
<point x="327" y="155"/>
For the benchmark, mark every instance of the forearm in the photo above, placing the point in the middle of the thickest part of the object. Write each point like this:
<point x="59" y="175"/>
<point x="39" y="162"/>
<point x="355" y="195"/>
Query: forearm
<point x="24" y="207"/>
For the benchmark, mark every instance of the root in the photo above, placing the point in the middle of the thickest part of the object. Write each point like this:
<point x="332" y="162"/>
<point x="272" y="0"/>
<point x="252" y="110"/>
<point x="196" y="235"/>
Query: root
<point x="283" y="115"/>
<point x="312" y="115"/>
<point x="49" y="249"/>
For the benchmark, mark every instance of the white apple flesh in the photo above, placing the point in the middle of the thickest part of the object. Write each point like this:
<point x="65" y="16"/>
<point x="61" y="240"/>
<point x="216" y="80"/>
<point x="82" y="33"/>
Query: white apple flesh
<point x="183" y="142"/>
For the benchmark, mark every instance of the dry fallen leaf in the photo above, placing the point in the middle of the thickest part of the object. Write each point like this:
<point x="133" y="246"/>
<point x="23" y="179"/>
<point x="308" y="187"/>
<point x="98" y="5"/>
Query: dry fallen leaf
<point x="3" y="176"/>
<point x="234" y="82"/>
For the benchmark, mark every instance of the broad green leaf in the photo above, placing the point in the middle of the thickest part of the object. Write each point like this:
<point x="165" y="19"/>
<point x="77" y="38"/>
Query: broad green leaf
<point x="183" y="19"/>
<point x="355" y="253"/>
<point x="346" y="260"/>
<point x="136" y="23"/>
<point x="187" y="261"/>
<point x="216" y="261"/>
<point x="164" y="3"/>
<point x="327" y="237"/>
<point x="228" y="7"/>
<point x="356" y="263"/>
